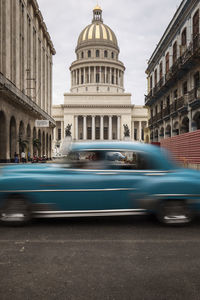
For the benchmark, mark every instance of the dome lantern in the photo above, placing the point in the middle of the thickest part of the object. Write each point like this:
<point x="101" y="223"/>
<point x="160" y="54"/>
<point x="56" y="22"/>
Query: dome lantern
<point x="97" y="33"/>
<point x="97" y="14"/>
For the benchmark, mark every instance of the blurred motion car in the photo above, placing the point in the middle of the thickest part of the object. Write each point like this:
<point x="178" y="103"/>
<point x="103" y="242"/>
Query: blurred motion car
<point x="87" y="183"/>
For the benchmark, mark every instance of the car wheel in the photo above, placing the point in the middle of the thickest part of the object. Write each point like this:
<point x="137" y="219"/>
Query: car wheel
<point x="174" y="213"/>
<point x="15" y="211"/>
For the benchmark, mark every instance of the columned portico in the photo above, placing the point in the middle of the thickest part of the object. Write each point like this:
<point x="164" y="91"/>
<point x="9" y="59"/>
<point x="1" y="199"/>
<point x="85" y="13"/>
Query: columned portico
<point x="82" y="123"/>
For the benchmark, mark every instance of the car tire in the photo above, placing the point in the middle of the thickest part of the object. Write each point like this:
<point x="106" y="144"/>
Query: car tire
<point x="174" y="212"/>
<point x="15" y="211"/>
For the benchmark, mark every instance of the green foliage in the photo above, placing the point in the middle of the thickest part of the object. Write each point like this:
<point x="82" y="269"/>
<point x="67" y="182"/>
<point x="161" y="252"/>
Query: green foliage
<point x="23" y="144"/>
<point x="36" y="144"/>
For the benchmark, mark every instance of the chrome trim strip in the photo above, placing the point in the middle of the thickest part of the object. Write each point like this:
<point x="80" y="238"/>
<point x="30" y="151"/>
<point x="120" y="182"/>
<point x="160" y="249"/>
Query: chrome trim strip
<point x="104" y="173"/>
<point x="88" y="213"/>
<point x="176" y="195"/>
<point x="69" y="190"/>
<point x="120" y="171"/>
<point x="154" y="174"/>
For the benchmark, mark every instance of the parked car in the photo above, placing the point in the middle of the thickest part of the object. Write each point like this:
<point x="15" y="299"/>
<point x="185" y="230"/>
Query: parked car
<point x="87" y="183"/>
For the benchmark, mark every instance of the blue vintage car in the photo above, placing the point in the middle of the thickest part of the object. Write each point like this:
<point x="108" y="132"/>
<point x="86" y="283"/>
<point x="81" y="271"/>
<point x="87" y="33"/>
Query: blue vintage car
<point x="88" y="183"/>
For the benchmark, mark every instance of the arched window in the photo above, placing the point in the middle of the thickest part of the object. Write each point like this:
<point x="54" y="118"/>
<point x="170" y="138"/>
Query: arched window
<point x="161" y="70"/>
<point x="97" y="53"/>
<point x="89" y="53"/>
<point x="167" y="62"/>
<point x="184" y="37"/>
<point x="82" y="54"/>
<point x="155" y="77"/>
<point x="151" y="82"/>
<point x="196" y="24"/>
<point x="174" y="52"/>
<point x="105" y="53"/>
<point x="112" y="54"/>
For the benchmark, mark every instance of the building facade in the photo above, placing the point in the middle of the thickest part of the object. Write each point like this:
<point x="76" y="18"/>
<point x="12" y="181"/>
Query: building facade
<point x="26" y="53"/>
<point x="174" y="76"/>
<point x="97" y="107"/>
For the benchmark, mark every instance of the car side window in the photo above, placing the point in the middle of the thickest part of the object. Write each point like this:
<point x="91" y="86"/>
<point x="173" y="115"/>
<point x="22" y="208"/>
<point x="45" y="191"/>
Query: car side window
<point x="117" y="160"/>
<point x="87" y="160"/>
<point x="129" y="160"/>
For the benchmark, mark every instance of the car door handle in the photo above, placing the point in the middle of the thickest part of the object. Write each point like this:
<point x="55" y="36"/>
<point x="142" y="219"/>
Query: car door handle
<point x="106" y="173"/>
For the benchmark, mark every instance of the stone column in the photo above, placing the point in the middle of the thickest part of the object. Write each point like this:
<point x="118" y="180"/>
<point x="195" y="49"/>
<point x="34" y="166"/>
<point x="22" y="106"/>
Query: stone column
<point x="110" y="75"/>
<point x="31" y="143"/>
<point x="79" y="76"/>
<point x="84" y="127"/>
<point x="84" y="79"/>
<point x="121" y="79"/>
<point x="118" y="128"/>
<point x="76" y="76"/>
<point x="101" y="128"/>
<point x="105" y="74"/>
<point x="95" y="74"/>
<point x="139" y="133"/>
<point x="76" y="128"/>
<point x="110" y="128"/>
<point x="164" y="125"/>
<point x="62" y="130"/>
<point x="100" y="75"/>
<point x="118" y="77"/>
<point x="93" y="128"/>
<point x="89" y="74"/>
<point x="171" y="123"/>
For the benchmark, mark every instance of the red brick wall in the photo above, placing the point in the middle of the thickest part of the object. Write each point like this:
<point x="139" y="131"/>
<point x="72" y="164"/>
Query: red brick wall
<point x="184" y="147"/>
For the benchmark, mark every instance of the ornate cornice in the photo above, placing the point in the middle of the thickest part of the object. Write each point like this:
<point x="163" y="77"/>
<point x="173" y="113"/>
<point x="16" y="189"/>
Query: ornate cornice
<point x="95" y="62"/>
<point x="98" y="94"/>
<point x="95" y="106"/>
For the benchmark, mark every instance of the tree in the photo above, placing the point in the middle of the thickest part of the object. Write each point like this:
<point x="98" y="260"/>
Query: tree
<point x="36" y="143"/>
<point x="23" y="144"/>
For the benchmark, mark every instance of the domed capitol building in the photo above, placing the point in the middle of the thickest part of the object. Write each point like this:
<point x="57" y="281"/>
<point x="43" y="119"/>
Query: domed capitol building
<point x="97" y="107"/>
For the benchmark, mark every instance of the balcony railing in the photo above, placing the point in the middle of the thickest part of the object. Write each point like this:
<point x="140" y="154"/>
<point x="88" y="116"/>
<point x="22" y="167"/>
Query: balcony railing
<point x="174" y="106"/>
<point x="194" y="94"/>
<point x="166" y="111"/>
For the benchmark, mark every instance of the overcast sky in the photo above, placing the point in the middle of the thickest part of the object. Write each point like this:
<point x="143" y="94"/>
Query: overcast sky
<point x="138" y="25"/>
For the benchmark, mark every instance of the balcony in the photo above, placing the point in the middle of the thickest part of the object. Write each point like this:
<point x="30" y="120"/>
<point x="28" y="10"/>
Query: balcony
<point x="194" y="97"/>
<point x="166" y="112"/>
<point x="189" y="58"/>
<point x="182" y="103"/>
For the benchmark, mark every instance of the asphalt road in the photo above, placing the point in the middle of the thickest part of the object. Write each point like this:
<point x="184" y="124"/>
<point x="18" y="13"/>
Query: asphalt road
<point x="101" y="258"/>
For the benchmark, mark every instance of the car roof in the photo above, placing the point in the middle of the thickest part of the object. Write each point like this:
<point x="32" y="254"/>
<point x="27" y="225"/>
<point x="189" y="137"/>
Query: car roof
<point x="114" y="146"/>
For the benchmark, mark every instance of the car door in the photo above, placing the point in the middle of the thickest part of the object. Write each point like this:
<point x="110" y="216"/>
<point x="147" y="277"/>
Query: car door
<point x="108" y="185"/>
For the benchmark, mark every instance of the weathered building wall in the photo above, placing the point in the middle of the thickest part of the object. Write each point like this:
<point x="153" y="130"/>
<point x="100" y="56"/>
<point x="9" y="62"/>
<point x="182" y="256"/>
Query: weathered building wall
<point x="26" y="53"/>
